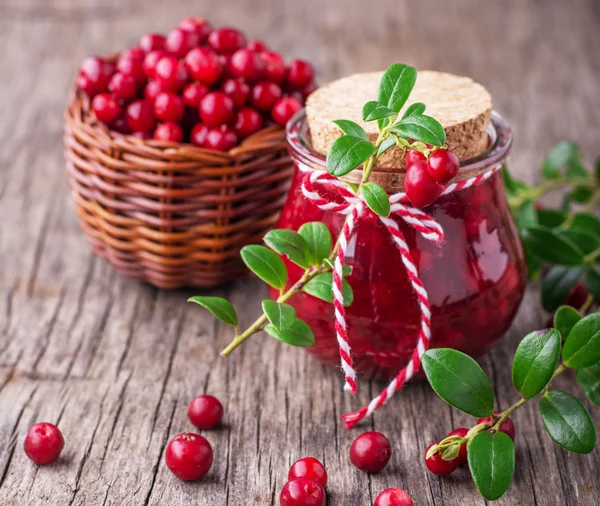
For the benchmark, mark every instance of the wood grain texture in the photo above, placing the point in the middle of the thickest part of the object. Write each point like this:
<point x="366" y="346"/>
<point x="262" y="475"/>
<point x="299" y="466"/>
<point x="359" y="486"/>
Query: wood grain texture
<point x="115" y="362"/>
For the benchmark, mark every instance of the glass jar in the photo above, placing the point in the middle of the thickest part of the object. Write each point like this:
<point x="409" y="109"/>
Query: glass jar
<point x="475" y="279"/>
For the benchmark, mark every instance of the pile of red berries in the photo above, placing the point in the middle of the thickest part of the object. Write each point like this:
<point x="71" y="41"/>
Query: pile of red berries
<point x="212" y="88"/>
<point x="307" y="479"/>
<point x="426" y="177"/>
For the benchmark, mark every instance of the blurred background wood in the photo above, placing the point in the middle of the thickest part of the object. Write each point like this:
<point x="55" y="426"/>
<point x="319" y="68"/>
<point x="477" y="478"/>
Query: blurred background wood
<point x="114" y="362"/>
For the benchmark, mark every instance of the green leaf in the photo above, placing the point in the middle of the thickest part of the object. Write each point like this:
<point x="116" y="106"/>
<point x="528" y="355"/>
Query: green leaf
<point x="597" y="169"/>
<point x="587" y="222"/>
<point x="421" y="128"/>
<point x="584" y="240"/>
<point x="589" y="379"/>
<point x="535" y="360"/>
<point x="564" y="319"/>
<point x="582" y="346"/>
<point x="320" y="287"/>
<point x="568" y="422"/>
<point x="526" y="215"/>
<point x="396" y="85"/>
<point x="297" y="334"/>
<point x="416" y="109"/>
<point x="220" y="308"/>
<point x="492" y="463"/>
<point x="459" y="380"/>
<point x="386" y="144"/>
<point x="351" y="128"/>
<point x="376" y="198"/>
<point x="373" y="110"/>
<point x="551" y="247"/>
<point x="557" y="158"/>
<point x="281" y="316"/>
<point x="289" y="243"/>
<point x="557" y="285"/>
<point x="551" y="218"/>
<point x="267" y="265"/>
<point x="513" y="186"/>
<point x="346" y="269"/>
<point x="592" y="281"/>
<point x="576" y="170"/>
<point x="581" y="194"/>
<point x="318" y="238"/>
<point x="347" y="153"/>
<point x="534" y="264"/>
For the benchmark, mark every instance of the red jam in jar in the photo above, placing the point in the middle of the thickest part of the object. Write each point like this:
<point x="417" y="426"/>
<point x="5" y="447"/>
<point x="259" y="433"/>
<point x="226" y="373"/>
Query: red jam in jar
<point x="475" y="279"/>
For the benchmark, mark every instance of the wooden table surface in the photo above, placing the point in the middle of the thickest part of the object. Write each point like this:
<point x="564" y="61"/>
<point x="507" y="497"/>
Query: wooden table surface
<point x="115" y="362"/>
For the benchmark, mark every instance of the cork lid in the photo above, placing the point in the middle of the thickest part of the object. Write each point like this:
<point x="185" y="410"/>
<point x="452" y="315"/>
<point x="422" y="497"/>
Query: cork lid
<point x="460" y="104"/>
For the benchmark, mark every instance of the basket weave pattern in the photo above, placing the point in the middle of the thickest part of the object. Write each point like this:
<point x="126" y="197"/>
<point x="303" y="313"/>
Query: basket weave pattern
<point x="173" y="214"/>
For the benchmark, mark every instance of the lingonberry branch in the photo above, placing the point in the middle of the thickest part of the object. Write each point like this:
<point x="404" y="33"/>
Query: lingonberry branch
<point x="537" y="192"/>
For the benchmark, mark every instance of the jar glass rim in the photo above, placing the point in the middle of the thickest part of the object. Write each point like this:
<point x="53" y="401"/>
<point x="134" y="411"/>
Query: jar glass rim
<point x="499" y="133"/>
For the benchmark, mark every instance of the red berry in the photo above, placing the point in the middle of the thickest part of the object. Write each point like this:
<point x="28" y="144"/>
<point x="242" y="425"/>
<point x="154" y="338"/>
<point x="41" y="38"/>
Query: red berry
<point x="131" y="63"/>
<point x="180" y="42"/>
<point x="168" y="131"/>
<point x="189" y="456"/>
<point x="302" y="492"/>
<point x="419" y="186"/>
<point x="226" y="40"/>
<point x="204" y="65"/>
<point x="142" y="135"/>
<point x="443" y="165"/>
<point x="284" y="109"/>
<point x="43" y="443"/>
<point x="198" y="135"/>
<point x="151" y="60"/>
<point x="265" y="94"/>
<point x="237" y="90"/>
<point x="216" y="109"/>
<point x="121" y="126"/>
<point x="123" y="86"/>
<point x="370" y="452"/>
<point x="205" y="412"/>
<point x="310" y="468"/>
<point x="197" y="25"/>
<point x="274" y="66"/>
<point x="439" y="466"/>
<point x="247" y="122"/>
<point x="221" y="139"/>
<point x="106" y="108"/>
<point x="136" y="53"/>
<point x="170" y="73"/>
<point x="393" y="497"/>
<point x="300" y="74"/>
<point x="152" y="90"/>
<point x="168" y="107"/>
<point x="462" y="455"/>
<point x="94" y="75"/>
<point x="306" y="91"/>
<point x="247" y="64"/>
<point x="257" y="45"/>
<point x="193" y="93"/>
<point x="577" y="296"/>
<point x="139" y="115"/>
<point x="414" y="156"/>
<point x="152" y="42"/>
<point x="507" y="426"/>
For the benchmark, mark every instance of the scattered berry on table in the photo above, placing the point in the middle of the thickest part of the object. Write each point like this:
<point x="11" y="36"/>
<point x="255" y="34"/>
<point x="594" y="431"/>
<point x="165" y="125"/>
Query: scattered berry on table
<point x="462" y="455"/>
<point x="43" y="443"/>
<point x="443" y="165"/>
<point x="189" y="456"/>
<point x="507" y="426"/>
<point x="370" y="452"/>
<point x="393" y="497"/>
<point x="302" y="492"/>
<point x="419" y="186"/>
<point x="311" y="468"/>
<point x="205" y="412"/>
<point x="439" y="466"/>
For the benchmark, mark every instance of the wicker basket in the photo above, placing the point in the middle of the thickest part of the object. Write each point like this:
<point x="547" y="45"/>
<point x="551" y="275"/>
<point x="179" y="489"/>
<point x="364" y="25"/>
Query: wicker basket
<point x="173" y="214"/>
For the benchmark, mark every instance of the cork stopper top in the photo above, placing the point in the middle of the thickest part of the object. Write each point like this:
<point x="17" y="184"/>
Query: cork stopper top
<point x="460" y="104"/>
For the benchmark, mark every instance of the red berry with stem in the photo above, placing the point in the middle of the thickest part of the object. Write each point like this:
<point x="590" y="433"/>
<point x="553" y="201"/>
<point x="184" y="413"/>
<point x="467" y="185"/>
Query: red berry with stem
<point x="284" y="109"/>
<point x="205" y="412"/>
<point x="43" y="443"/>
<point x="257" y="45"/>
<point x="189" y="456"/>
<point x="462" y="455"/>
<point x="302" y="492"/>
<point x="393" y="497"/>
<point x="419" y="186"/>
<point x="180" y="42"/>
<point x="216" y="109"/>
<point x="193" y="93"/>
<point x="370" y="452"/>
<point x="238" y="90"/>
<point x="437" y="465"/>
<point x="198" y="135"/>
<point x="507" y="426"/>
<point x="413" y="156"/>
<point x="265" y="94"/>
<point x="300" y="74"/>
<point x="132" y="63"/>
<point x="152" y="90"/>
<point x="443" y="165"/>
<point x="152" y="42"/>
<point x="310" y="468"/>
<point x="197" y="25"/>
<point x="274" y="66"/>
<point x="140" y="116"/>
<point x="226" y="40"/>
<point x="247" y="64"/>
<point x="106" y="108"/>
<point x="151" y="60"/>
<point x="170" y="73"/>
<point x="168" y="106"/>
<point x="247" y="122"/>
<point x="204" y="65"/>
<point x="122" y="86"/>
<point x="221" y="139"/>
<point x="168" y="131"/>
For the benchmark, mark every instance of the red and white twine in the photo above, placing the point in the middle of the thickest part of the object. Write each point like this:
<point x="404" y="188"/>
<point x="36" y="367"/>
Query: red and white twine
<point x="355" y="209"/>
